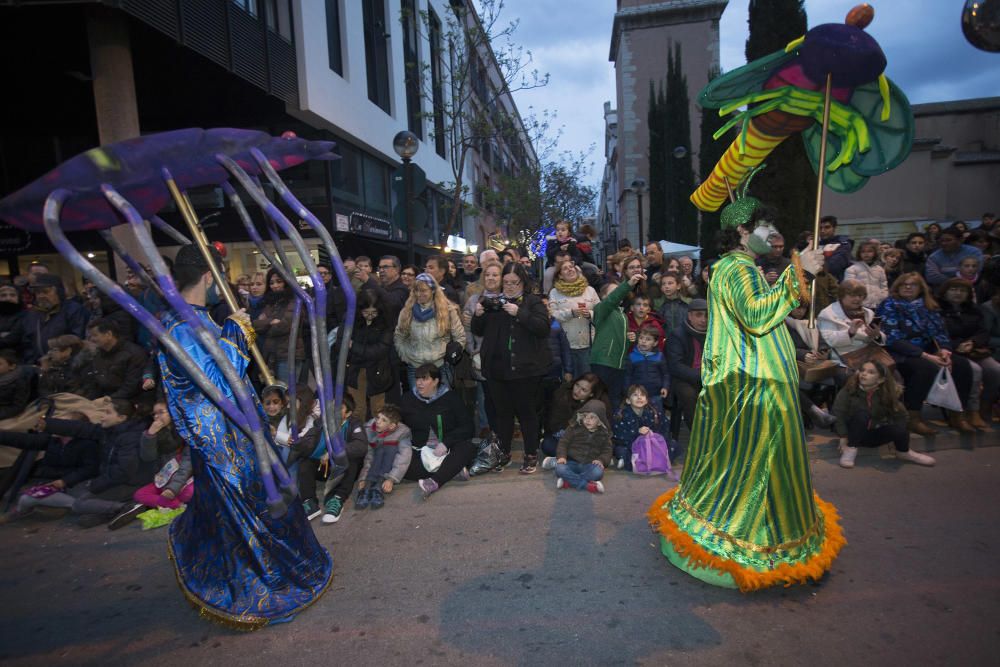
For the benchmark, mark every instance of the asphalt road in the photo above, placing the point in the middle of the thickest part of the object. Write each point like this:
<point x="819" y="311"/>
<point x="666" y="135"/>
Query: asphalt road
<point x="504" y="570"/>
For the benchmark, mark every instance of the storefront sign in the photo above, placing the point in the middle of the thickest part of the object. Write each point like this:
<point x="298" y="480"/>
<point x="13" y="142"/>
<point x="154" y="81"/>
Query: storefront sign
<point x="13" y="240"/>
<point x="366" y="225"/>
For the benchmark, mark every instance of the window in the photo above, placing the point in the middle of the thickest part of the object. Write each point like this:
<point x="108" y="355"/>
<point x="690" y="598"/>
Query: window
<point x="414" y="118"/>
<point x="278" y="17"/>
<point x="377" y="53"/>
<point x="376" y="185"/>
<point x="346" y="172"/>
<point x="436" y="88"/>
<point x="249" y="6"/>
<point x="333" y="43"/>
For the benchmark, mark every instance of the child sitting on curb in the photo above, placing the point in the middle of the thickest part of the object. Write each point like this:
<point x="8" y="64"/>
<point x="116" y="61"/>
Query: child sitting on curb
<point x="637" y="416"/>
<point x="389" y="452"/>
<point x="584" y="451"/>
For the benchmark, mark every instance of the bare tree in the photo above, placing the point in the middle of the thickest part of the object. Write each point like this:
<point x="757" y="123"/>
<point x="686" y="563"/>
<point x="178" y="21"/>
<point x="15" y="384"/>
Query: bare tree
<point x="475" y="67"/>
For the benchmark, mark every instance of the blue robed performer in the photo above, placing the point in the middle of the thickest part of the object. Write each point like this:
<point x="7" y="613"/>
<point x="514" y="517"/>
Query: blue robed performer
<point x="235" y="561"/>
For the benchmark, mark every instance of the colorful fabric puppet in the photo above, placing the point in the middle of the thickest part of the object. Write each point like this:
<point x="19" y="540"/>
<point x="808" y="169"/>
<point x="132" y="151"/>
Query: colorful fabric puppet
<point x="871" y="123"/>
<point x="745" y="515"/>
<point x="235" y="561"/>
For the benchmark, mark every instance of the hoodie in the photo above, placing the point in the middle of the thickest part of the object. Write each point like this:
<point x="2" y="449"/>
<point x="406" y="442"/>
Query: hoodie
<point x="399" y="439"/>
<point x="583" y="446"/>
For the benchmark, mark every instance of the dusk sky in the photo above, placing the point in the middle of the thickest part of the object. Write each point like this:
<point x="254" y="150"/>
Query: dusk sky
<point x="927" y="53"/>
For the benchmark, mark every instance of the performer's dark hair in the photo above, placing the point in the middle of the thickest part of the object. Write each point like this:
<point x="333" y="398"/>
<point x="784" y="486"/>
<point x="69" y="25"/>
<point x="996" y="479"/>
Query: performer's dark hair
<point x="727" y="240"/>
<point x="766" y="213"/>
<point x="348" y="402"/>
<point x="190" y="265"/>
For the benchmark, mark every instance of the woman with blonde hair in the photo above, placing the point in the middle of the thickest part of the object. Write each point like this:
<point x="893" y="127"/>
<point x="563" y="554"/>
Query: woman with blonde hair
<point x="428" y="322"/>
<point x="867" y="271"/>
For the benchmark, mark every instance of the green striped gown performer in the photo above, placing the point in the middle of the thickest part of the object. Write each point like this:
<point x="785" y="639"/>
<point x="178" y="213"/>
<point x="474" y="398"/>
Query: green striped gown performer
<point x="745" y="515"/>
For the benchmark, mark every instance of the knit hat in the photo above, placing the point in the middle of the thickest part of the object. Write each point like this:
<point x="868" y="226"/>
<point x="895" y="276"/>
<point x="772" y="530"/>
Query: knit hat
<point x="428" y="279"/>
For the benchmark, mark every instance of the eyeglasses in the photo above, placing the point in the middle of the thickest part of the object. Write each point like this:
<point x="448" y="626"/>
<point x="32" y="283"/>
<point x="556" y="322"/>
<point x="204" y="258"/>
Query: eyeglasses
<point x="410" y="274"/>
<point x="386" y="267"/>
<point x="512" y="283"/>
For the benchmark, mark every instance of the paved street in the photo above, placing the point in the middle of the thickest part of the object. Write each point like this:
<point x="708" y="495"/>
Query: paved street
<point x="506" y="571"/>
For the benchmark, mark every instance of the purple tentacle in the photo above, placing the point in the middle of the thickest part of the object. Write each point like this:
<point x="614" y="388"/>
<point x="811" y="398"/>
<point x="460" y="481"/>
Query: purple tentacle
<point x="347" y="327"/>
<point x="266" y="457"/>
<point x="169" y="230"/>
<point x="317" y="323"/>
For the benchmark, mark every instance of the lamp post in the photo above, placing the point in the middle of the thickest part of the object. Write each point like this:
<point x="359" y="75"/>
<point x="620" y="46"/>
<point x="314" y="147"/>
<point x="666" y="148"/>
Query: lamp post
<point x="638" y="187"/>
<point x="405" y="144"/>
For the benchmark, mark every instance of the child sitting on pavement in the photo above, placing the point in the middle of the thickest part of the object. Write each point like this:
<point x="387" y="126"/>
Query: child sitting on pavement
<point x="388" y="457"/>
<point x="637" y="416"/>
<point x="584" y="450"/>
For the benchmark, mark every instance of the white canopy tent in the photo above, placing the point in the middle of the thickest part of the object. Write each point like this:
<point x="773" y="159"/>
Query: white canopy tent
<point x="671" y="249"/>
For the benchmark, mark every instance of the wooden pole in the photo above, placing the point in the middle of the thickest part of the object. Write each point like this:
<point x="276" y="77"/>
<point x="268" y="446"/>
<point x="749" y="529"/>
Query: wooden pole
<point x="821" y="171"/>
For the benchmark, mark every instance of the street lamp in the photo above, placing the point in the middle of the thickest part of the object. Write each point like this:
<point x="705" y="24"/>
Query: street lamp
<point x="405" y="144"/>
<point x="638" y="187"/>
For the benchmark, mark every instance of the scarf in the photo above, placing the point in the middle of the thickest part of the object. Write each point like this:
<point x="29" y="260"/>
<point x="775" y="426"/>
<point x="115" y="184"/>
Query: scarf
<point x="573" y="287"/>
<point x="421" y="314"/>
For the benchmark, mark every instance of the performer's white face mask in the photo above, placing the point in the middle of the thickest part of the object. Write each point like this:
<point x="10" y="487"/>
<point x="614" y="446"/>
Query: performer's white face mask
<point x="756" y="241"/>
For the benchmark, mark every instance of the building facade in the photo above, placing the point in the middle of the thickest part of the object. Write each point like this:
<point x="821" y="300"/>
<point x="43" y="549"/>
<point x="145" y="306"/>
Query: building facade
<point x="642" y="33"/>
<point x="353" y="71"/>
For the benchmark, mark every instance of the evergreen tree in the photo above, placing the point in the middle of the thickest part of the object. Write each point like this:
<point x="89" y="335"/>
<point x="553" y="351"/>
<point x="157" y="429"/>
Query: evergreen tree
<point x="657" y="225"/>
<point x="789" y="182"/>
<point x="710" y="151"/>
<point x="681" y="214"/>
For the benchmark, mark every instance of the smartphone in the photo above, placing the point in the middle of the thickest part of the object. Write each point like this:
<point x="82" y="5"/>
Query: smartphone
<point x="876" y="322"/>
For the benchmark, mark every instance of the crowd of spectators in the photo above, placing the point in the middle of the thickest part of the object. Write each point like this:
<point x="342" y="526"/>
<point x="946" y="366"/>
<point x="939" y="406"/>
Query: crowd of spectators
<point x="557" y="352"/>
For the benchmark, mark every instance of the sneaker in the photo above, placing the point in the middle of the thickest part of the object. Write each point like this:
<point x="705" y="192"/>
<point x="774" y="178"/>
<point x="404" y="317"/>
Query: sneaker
<point x="463" y="475"/>
<point x="334" y="506"/>
<point x="529" y="465"/>
<point x="376" y="499"/>
<point x="549" y="463"/>
<point x="362" y="498"/>
<point x="428" y="486"/>
<point x="561" y="483"/>
<point x="847" y="456"/>
<point x="821" y="416"/>
<point x="502" y="463"/>
<point x="595" y="487"/>
<point x="620" y="463"/>
<point x="311" y="508"/>
<point x="126" y="516"/>
<point x="915" y="457"/>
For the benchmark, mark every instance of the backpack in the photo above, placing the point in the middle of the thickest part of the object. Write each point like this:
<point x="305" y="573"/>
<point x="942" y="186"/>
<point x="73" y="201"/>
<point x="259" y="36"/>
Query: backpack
<point x="650" y="455"/>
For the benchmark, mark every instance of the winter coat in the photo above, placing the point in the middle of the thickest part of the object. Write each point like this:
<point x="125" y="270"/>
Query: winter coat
<point x="15" y="391"/>
<point x="119" y="461"/>
<point x="577" y="328"/>
<point x="423" y="344"/>
<point x="116" y="373"/>
<point x="160" y="448"/>
<point x="39" y="327"/>
<point x="941" y="265"/>
<point x="826" y="289"/>
<point x="913" y="262"/>
<point x="911" y="329"/>
<point x="515" y="347"/>
<point x="872" y="276"/>
<point x="610" y="330"/>
<point x="67" y="378"/>
<point x="850" y="402"/>
<point x="839" y="259"/>
<point x="395" y="295"/>
<point x="626" y="424"/>
<point x="371" y="347"/>
<point x="400" y="439"/>
<point x="673" y="313"/>
<point x="273" y="338"/>
<point x="965" y="323"/>
<point x="648" y="369"/>
<point x="421" y="414"/>
<point x="562" y="360"/>
<point x="991" y="324"/>
<point x="12" y="331"/>
<point x="583" y="446"/>
<point x="834" y="326"/>
<point x="680" y="351"/>
<point x="73" y="458"/>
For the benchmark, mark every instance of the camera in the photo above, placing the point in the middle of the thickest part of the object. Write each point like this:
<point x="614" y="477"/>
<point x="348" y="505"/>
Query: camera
<point x="494" y="304"/>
